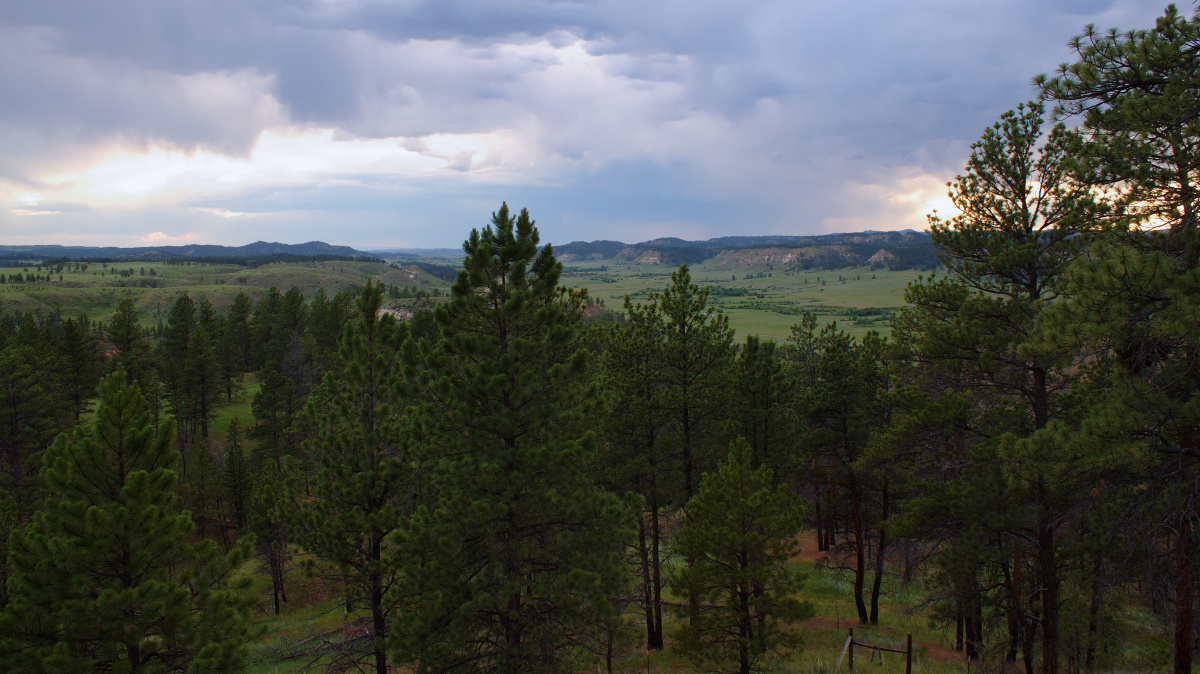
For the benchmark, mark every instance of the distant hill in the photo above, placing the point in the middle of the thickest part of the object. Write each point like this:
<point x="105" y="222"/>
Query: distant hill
<point x="596" y="250"/>
<point x="896" y="250"/>
<point x="252" y="250"/>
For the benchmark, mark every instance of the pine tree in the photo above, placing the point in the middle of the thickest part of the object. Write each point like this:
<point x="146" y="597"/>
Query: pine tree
<point x="514" y="564"/>
<point x="1134" y="299"/>
<point x="363" y="486"/>
<point x="228" y="356"/>
<point x="238" y="482"/>
<point x="275" y="407"/>
<point x="32" y="412"/>
<point x="762" y="414"/>
<point x="840" y="411"/>
<point x="323" y="330"/>
<point x="741" y="535"/>
<point x="263" y="328"/>
<point x="105" y="578"/>
<point x="203" y="373"/>
<point x="239" y="330"/>
<point x="637" y="456"/>
<point x="285" y="352"/>
<point x="8" y="523"/>
<point x="697" y="357"/>
<point x="1024" y="219"/>
<point x="127" y="335"/>
<point x="270" y="516"/>
<point x="174" y="362"/>
<point x="83" y="362"/>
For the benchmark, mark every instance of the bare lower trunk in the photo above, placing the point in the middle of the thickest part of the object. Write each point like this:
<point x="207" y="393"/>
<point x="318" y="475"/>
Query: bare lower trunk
<point x="820" y="529"/>
<point x="958" y="628"/>
<point x="378" y="619"/>
<point x="1184" y="592"/>
<point x="974" y="622"/>
<point x="1089" y="657"/>
<point x="860" y="557"/>
<point x="879" y="558"/>
<point x="1048" y="575"/>
<point x="1013" y="614"/>
<point x="647" y="592"/>
<point x="656" y="570"/>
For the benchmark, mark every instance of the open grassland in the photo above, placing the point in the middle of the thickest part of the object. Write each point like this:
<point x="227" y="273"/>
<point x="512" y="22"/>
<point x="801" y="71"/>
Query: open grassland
<point x="761" y="301"/>
<point x="155" y="286"/>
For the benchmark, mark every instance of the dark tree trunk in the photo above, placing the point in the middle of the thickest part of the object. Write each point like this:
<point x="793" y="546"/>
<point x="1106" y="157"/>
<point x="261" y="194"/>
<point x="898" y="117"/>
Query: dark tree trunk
<point x="821" y="547"/>
<point x="958" y="627"/>
<point x="1013" y="614"/>
<point x="656" y="569"/>
<point x="1048" y="575"/>
<point x="647" y="591"/>
<point x="974" y="622"/>
<point x="879" y="559"/>
<point x="860" y="556"/>
<point x="378" y="618"/>
<point x="1184" y="592"/>
<point x="1089" y="658"/>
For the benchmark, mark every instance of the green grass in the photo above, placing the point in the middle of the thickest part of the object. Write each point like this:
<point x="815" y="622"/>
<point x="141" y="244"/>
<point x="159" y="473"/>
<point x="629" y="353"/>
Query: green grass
<point x="97" y="291"/>
<point x="240" y="408"/>
<point x="771" y="305"/>
<point x="829" y="590"/>
<point x="769" y="308"/>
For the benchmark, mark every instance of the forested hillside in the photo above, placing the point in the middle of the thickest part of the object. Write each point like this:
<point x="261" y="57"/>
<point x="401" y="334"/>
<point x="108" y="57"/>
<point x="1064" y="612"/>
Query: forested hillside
<point x="515" y="478"/>
<point x="893" y="250"/>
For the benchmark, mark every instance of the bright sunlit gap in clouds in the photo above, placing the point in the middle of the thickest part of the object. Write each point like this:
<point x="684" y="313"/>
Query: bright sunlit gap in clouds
<point x="129" y="179"/>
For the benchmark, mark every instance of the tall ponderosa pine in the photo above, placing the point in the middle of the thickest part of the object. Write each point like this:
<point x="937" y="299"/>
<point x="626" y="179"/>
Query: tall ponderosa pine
<point x="105" y="578"/>
<point x="270" y="515"/>
<point x="237" y="479"/>
<point x="840" y="410"/>
<point x="762" y="412"/>
<point x="83" y="362"/>
<point x="363" y="486"/>
<point x="125" y="332"/>
<point x="637" y="457"/>
<point x="32" y="412"/>
<point x="516" y="562"/>
<point x="1135" y="297"/>
<point x="1024" y="219"/>
<point x="697" y="355"/>
<point x="741" y="534"/>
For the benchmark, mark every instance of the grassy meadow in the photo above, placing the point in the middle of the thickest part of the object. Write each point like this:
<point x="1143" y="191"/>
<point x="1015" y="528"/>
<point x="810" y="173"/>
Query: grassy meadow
<point x="760" y="300"/>
<point x="315" y="612"/>
<point x="98" y="290"/>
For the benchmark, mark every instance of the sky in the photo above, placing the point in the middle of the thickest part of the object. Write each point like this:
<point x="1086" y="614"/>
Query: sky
<point x="406" y="123"/>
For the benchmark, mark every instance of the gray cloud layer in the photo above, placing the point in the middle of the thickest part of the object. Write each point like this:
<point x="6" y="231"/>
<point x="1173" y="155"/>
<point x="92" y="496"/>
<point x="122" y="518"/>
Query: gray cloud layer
<point x="622" y="118"/>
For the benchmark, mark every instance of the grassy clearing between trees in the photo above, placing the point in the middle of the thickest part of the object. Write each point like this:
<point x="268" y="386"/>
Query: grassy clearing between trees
<point x="316" y="610"/>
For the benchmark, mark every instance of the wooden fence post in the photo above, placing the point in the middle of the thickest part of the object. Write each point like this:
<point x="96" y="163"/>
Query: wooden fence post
<point x="908" y="656"/>
<point x="850" y="654"/>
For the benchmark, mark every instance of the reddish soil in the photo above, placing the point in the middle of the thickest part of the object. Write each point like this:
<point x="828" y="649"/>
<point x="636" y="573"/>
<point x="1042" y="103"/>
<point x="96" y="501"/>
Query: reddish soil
<point x="808" y="547"/>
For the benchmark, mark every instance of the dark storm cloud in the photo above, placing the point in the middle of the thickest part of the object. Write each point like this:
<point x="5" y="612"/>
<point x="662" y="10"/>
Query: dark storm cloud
<point x="794" y="106"/>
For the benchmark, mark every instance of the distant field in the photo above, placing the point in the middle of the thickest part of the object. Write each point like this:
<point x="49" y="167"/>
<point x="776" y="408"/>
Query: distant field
<point x="98" y="290"/>
<point x="858" y="298"/>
